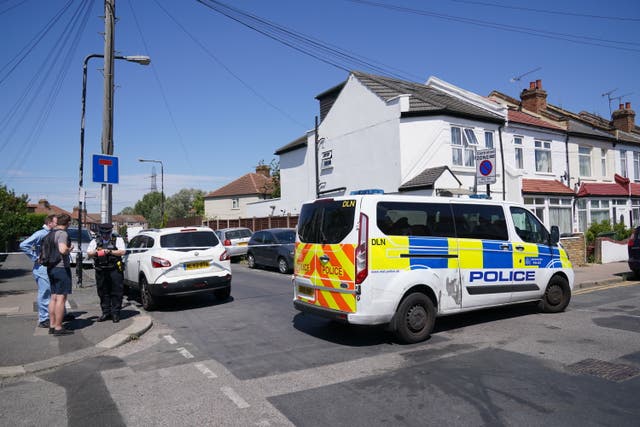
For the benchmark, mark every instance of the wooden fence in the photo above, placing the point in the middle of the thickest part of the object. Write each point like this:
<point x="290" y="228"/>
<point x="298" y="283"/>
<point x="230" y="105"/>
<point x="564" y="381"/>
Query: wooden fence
<point x="255" y="224"/>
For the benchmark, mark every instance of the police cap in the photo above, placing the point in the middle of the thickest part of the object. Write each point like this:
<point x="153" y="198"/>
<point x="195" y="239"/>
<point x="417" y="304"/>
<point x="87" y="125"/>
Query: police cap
<point x="105" y="228"/>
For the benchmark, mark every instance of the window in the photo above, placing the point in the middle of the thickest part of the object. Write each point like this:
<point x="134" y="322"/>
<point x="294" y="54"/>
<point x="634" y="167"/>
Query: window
<point x="327" y="157"/>
<point x="187" y="241"/>
<point x="543" y="156"/>
<point x="480" y="222"/>
<point x="463" y="143"/>
<point x="536" y="205"/>
<point x="415" y="219"/>
<point x="528" y="227"/>
<point x="235" y="203"/>
<point x="603" y="160"/>
<point x="599" y="211"/>
<point x="326" y="222"/>
<point x="623" y="163"/>
<point x="584" y="157"/>
<point x="560" y="214"/>
<point x="517" y="145"/>
<point x="488" y="139"/>
<point x="582" y="215"/>
<point x="636" y="165"/>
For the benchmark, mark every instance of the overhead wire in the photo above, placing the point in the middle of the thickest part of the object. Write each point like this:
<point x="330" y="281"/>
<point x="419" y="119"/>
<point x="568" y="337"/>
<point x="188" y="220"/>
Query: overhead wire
<point x="58" y="58"/>
<point x="228" y="70"/>
<point x="549" y="12"/>
<point x="579" y="39"/>
<point x="2" y="12"/>
<point x="324" y="52"/>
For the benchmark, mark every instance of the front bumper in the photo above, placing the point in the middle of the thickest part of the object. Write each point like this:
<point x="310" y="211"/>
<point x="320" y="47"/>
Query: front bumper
<point x="190" y="286"/>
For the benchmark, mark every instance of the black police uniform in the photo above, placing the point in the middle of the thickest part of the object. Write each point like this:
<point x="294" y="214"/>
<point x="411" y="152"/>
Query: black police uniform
<point x="109" y="279"/>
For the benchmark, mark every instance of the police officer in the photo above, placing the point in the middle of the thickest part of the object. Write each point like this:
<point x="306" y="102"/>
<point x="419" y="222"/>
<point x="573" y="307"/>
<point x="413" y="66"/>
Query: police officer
<point x="107" y="251"/>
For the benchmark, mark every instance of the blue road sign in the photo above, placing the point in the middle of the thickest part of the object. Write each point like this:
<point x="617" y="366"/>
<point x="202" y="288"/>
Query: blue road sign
<point x="105" y="169"/>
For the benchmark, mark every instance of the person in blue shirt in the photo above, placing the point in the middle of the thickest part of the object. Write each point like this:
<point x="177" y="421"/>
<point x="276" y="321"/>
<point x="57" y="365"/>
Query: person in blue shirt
<point x="31" y="246"/>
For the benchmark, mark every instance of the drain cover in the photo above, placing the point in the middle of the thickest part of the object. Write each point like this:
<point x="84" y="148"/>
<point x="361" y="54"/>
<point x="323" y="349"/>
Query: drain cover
<point x="605" y="370"/>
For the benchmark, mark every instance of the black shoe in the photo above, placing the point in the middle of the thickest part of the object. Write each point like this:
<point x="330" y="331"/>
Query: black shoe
<point x="44" y="324"/>
<point x="63" y="331"/>
<point x="116" y="318"/>
<point x="51" y="331"/>
<point x="104" y="317"/>
<point x="68" y="317"/>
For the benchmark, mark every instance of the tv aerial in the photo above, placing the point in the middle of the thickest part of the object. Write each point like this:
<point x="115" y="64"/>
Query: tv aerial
<point x="518" y="78"/>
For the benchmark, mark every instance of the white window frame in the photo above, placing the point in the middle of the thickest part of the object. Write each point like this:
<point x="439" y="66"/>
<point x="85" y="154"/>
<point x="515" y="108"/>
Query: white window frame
<point x="519" y="152"/>
<point x="623" y="163"/>
<point x="543" y="149"/>
<point x="326" y="161"/>
<point x="584" y="160"/>
<point x="463" y="146"/>
<point x="235" y="203"/>
<point x="603" y="161"/>
<point x="488" y="139"/>
<point x="636" y="165"/>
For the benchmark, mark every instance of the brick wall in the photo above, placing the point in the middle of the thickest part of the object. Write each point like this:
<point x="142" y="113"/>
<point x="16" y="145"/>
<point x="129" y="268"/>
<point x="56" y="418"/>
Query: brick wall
<point x="576" y="248"/>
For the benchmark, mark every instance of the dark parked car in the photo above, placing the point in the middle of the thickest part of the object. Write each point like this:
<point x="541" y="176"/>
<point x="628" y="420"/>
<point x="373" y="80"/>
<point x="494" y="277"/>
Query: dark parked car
<point x="272" y="248"/>
<point x="634" y="252"/>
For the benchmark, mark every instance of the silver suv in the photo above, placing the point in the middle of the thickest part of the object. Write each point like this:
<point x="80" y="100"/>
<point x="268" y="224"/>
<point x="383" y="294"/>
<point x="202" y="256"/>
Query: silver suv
<point x="235" y="240"/>
<point x="177" y="261"/>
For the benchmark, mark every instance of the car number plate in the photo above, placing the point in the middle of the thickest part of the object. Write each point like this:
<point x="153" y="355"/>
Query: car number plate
<point x="305" y="291"/>
<point x="242" y="244"/>
<point x="196" y="265"/>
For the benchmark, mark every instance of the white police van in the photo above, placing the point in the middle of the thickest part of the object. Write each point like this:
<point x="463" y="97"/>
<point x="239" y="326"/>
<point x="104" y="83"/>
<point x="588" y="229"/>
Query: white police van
<point x="404" y="260"/>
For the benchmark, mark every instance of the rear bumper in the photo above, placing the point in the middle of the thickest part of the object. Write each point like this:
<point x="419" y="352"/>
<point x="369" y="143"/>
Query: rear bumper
<point x="190" y="286"/>
<point x="327" y="313"/>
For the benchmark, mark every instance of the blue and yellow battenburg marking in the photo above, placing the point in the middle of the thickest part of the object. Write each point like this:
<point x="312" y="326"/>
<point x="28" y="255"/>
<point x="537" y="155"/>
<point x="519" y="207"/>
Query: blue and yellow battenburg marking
<point x="396" y="253"/>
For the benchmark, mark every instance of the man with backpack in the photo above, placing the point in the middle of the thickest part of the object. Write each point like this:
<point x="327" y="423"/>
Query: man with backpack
<point x="56" y="247"/>
<point x="107" y="250"/>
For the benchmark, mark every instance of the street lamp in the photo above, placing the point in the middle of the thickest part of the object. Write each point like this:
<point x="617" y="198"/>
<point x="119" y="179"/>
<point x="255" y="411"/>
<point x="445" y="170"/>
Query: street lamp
<point x="161" y="185"/>
<point x="140" y="59"/>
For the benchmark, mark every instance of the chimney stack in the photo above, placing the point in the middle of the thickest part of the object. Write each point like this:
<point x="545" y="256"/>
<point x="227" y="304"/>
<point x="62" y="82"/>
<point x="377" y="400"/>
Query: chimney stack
<point x="535" y="98"/>
<point x="624" y="118"/>
<point x="264" y="170"/>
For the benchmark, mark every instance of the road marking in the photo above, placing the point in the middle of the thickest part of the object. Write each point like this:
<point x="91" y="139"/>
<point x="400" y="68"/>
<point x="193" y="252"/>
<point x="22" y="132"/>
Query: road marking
<point x="183" y="351"/>
<point x="603" y="287"/>
<point x="206" y="371"/>
<point x="235" y="398"/>
<point x="170" y="339"/>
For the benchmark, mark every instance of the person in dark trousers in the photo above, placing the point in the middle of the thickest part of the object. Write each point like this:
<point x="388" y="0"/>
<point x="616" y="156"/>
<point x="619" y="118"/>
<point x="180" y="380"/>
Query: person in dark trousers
<point x="107" y="250"/>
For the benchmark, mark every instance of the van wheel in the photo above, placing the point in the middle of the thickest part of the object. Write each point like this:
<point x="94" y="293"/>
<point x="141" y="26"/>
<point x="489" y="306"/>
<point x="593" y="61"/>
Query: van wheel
<point x="415" y="318"/>
<point x="557" y="295"/>
<point x="283" y="266"/>
<point x="251" y="261"/>
<point x="148" y="301"/>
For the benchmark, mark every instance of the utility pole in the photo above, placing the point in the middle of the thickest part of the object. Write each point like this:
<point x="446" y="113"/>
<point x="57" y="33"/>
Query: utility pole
<point x="107" y="110"/>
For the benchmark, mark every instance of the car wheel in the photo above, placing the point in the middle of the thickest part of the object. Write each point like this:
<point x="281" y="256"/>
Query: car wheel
<point x="636" y="274"/>
<point x="222" y="294"/>
<point x="557" y="295"/>
<point x="148" y="300"/>
<point x="283" y="265"/>
<point x="251" y="261"/>
<point x="415" y="318"/>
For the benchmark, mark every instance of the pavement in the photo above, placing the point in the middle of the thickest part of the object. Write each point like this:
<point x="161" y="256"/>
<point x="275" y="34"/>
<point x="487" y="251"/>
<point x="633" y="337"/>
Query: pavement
<point x="27" y="349"/>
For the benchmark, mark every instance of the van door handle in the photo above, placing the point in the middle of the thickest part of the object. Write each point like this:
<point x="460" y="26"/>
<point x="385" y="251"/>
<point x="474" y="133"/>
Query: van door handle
<point x="504" y="247"/>
<point x="324" y="258"/>
<point x="520" y="248"/>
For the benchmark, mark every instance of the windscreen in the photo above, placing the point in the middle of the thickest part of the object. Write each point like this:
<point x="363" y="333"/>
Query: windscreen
<point x="73" y="235"/>
<point x="187" y="241"/>
<point x="326" y="221"/>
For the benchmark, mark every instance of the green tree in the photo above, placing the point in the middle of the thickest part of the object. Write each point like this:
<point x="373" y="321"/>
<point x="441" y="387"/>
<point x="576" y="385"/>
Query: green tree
<point x="150" y="208"/>
<point x="13" y="216"/>
<point x="127" y="211"/>
<point x="275" y="178"/>
<point x="198" y="204"/>
<point x="181" y="204"/>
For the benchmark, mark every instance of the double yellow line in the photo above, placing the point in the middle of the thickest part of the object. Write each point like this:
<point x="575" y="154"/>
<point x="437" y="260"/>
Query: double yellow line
<point x="603" y="287"/>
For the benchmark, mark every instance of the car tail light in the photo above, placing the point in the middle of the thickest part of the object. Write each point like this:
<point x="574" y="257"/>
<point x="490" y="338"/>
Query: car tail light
<point x="362" y="256"/>
<point x="224" y="256"/>
<point x="157" y="262"/>
<point x="227" y="242"/>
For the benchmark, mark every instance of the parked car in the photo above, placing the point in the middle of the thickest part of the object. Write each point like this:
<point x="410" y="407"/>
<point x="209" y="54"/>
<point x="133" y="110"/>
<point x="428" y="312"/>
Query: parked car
<point x="272" y="247"/>
<point x="634" y="252"/>
<point x="86" y="239"/>
<point x="177" y="261"/>
<point x="235" y="240"/>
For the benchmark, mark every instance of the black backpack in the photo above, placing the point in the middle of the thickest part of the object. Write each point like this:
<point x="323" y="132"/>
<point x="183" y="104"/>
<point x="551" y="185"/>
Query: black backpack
<point x="49" y="252"/>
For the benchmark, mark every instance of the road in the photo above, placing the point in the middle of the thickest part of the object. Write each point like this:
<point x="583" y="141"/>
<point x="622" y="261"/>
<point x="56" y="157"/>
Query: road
<point x="254" y="360"/>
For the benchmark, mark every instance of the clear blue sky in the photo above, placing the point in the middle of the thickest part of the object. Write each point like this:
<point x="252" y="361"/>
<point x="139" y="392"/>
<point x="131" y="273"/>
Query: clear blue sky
<point x="220" y="97"/>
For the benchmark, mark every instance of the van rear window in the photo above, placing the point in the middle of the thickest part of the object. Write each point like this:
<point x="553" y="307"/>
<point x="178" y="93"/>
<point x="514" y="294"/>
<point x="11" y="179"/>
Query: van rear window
<point x="326" y="221"/>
